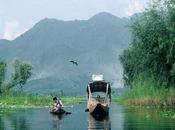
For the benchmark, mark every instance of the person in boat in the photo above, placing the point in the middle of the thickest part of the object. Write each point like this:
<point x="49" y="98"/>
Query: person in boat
<point x="98" y="98"/>
<point x="57" y="104"/>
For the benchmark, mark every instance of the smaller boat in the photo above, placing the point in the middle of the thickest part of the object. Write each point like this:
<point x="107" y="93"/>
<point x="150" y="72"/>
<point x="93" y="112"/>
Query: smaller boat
<point x="98" y="96"/>
<point x="59" y="112"/>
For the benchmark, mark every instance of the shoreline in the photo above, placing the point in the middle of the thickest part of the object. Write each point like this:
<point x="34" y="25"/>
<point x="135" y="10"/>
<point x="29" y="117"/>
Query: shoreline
<point x="148" y="97"/>
<point x="127" y="100"/>
<point x="31" y="101"/>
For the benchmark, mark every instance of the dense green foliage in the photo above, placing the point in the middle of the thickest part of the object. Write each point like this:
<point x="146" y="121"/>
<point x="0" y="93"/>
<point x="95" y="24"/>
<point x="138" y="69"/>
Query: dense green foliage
<point x="22" y="72"/>
<point x="2" y="74"/>
<point x="152" y="50"/>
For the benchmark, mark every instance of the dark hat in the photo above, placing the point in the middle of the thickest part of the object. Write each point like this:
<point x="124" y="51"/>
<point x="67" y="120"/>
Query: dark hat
<point x="55" y="98"/>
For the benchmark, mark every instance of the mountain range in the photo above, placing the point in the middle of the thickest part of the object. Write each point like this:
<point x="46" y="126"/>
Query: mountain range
<point x="95" y="44"/>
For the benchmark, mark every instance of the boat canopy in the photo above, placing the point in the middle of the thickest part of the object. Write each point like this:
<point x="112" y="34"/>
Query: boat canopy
<point x="98" y="86"/>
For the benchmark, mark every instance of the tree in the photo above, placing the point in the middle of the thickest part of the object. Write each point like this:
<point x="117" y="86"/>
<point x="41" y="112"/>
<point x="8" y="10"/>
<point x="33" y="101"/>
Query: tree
<point x="152" y="50"/>
<point x="22" y="72"/>
<point x="2" y="74"/>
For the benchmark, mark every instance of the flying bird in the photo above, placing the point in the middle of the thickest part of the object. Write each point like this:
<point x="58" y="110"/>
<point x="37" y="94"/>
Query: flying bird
<point x="74" y="62"/>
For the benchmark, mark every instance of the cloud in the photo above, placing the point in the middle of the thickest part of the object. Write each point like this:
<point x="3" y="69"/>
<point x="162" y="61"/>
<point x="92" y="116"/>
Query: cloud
<point x="134" y="6"/>
<point x="10" y="30"/>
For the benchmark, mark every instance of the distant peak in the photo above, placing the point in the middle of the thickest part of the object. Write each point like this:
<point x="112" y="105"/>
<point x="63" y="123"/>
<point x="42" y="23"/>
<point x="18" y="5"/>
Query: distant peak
<point x="46" y="20"/>
<point x="103" y="15"/>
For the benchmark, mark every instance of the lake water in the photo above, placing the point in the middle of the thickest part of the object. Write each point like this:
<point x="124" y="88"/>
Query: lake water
<point x="119" y="119"/>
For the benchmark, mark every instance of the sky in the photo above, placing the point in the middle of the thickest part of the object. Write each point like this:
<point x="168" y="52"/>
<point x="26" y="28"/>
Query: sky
<point x="17" y="16"/>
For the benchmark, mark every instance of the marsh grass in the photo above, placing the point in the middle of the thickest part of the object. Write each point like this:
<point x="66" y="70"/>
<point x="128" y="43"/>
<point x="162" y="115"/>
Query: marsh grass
<point x="148" y="93"/>
<point x="31" y="100"/>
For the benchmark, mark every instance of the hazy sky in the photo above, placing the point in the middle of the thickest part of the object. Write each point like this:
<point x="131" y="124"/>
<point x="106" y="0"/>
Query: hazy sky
<point x="17" y="16"/>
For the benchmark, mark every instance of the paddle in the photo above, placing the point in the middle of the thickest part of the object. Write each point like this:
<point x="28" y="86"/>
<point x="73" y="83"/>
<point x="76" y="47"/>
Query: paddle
<point x="66" y="112"/>
<point x="68" y="106"/>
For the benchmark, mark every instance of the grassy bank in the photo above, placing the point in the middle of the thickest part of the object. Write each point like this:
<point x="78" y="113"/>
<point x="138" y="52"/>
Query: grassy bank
<point x="159" y="100"/>
<point x="29" y="100"/>
<point x="148" y="96"/>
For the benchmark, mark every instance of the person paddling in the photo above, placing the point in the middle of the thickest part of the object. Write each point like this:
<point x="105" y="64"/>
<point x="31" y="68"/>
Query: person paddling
<point x="57" y="104"/>
<point x="58" y="107"/>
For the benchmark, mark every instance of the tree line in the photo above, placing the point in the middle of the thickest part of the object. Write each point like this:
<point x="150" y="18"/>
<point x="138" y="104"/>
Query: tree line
<point x="151" y="54"/>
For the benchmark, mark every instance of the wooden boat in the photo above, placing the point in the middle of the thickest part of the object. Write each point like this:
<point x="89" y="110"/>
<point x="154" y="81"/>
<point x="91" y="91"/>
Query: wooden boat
<point x="98" y="105"/>
<point x="59" y="112"/>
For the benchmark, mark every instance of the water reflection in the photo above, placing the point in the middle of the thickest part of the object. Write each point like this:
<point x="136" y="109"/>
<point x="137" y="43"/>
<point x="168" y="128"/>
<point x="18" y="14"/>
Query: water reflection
<point x="19" y="123"/>
<point x="2" y="126"/>
<point x="119" y="119"/>
<point x="146" y="119"/>
<point x="56" y="121"/>
<point x="16" y="122"/>
<point x="101" y="123"/>
<point x="57" y="117"/>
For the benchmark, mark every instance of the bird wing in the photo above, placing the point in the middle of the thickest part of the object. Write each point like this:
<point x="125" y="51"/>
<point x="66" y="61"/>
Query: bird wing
<point x="74" y="62"/>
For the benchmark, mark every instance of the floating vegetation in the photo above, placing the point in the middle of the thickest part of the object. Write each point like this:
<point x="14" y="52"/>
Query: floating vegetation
<point x="35" y="101"/>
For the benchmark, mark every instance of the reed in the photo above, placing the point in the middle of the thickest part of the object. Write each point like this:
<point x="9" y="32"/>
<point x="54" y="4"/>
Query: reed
<point x="147" y="93"/>
<point x="31" y="100"/>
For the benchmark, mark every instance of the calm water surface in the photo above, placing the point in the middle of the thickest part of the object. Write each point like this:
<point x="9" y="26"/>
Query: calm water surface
<point x="119" y="119"/>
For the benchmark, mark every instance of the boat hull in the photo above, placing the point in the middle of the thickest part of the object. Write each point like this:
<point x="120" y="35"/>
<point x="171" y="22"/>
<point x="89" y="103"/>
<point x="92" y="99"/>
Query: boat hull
<point x="99" y="110"/>
<point x="60" y="112"/>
